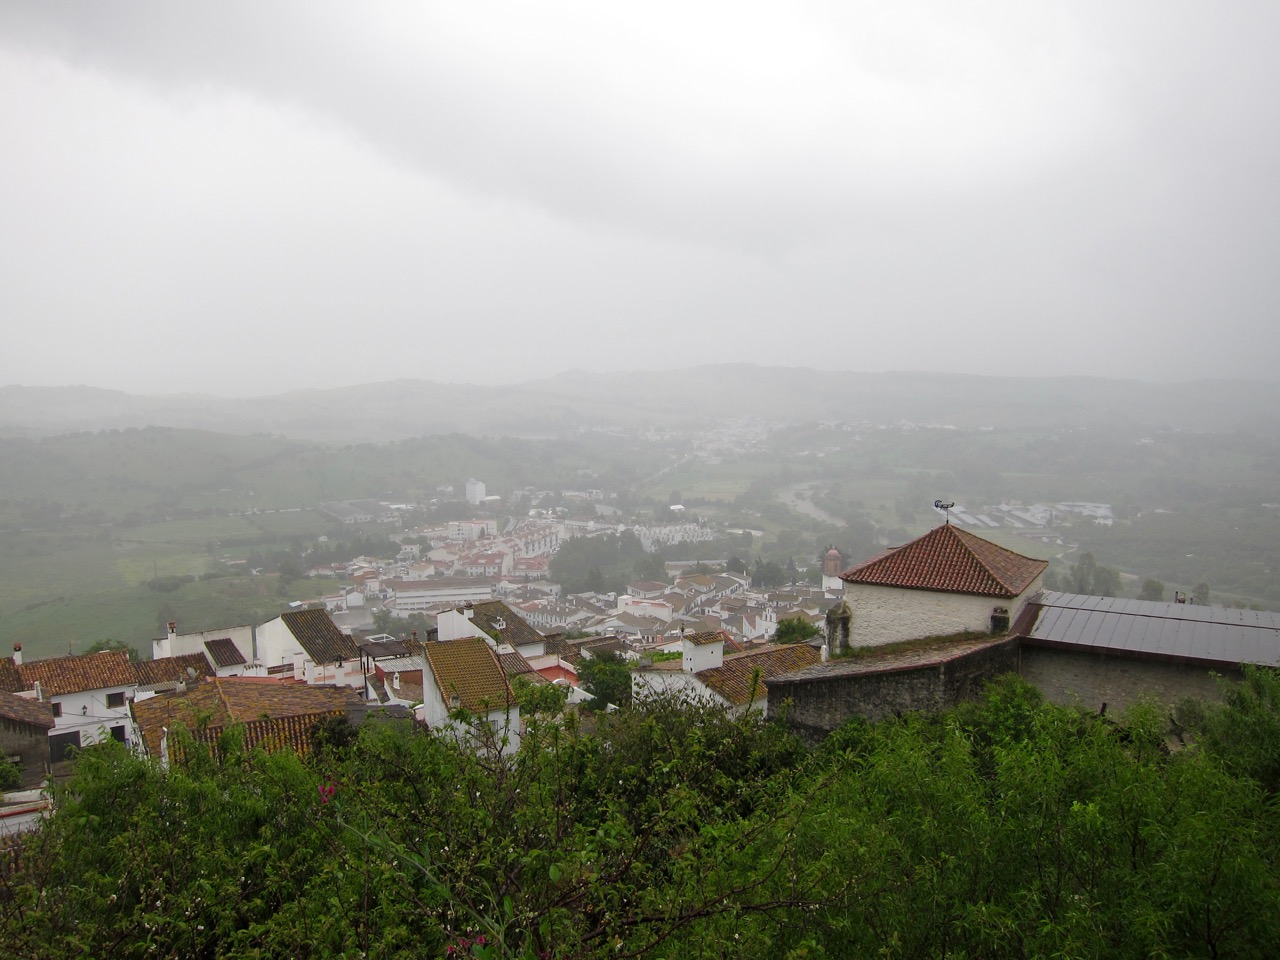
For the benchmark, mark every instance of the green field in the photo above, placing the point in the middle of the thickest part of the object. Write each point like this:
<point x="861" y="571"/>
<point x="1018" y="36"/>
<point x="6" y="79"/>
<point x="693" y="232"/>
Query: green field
<point x="138" y="614"/>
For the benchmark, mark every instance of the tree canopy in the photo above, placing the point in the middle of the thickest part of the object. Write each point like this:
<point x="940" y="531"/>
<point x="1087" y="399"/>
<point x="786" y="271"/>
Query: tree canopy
<point x="795" y="630"/>
<point x="607" y="677"/>
<point x="1005" y="827"/>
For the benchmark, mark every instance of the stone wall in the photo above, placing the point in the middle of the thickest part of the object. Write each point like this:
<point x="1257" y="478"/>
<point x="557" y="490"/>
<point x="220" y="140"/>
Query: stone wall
<point x="30" y="745"/>
<point x="824" y="698"/>
<point x="1088" y="680"/>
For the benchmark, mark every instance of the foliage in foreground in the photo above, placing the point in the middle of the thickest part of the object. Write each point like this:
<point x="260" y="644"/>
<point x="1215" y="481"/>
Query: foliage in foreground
<point x="1006" y="828"/>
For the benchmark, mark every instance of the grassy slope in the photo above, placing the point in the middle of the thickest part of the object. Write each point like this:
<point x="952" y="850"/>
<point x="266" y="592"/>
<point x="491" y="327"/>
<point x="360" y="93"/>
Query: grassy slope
<point x="137" y="614"/>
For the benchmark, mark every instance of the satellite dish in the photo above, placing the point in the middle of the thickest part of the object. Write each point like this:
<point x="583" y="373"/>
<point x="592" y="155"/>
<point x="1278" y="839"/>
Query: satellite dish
<point x="191" y="672"/>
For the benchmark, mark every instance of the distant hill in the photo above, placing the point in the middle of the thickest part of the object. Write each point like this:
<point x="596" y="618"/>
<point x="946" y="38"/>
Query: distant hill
<point x="560" y="405"/>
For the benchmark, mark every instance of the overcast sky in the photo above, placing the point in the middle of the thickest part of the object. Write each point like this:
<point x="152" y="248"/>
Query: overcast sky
<point x="246" y="197"/>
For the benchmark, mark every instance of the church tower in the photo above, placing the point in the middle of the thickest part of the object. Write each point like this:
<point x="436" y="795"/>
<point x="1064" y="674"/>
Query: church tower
<point x="831" y="571"/>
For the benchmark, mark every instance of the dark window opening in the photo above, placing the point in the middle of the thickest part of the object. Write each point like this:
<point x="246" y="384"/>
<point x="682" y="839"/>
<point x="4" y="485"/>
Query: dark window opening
<point x="115" y="700"/>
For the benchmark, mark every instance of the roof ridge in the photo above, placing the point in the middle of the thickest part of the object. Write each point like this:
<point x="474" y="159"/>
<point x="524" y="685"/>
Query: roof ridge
<point x="952" y="560"/>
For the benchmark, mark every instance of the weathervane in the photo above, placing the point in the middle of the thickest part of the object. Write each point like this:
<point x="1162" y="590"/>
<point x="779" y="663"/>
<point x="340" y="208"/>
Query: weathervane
<point x="945" y="508"/>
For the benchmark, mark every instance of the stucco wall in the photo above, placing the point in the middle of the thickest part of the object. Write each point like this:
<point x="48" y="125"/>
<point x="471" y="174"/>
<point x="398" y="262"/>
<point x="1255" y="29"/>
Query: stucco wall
<point x="814" y="707"/>
<point x="276" y="644"/>
<point x="1088" y="680"/>
<point x="891" y="614"/>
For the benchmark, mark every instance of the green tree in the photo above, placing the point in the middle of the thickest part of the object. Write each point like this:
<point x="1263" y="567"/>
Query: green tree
<point x="536" y="698"/>
<point x="1106" y="581"/>
<point x="1201" y="593"/>
<point x="107" y="643"/>
<point x="606" y="676"/>
<point x="795" y="630"/>
<point x="767" y="574"/>
<point x="1152" y="590"/>
<point x="1087" y="576"/>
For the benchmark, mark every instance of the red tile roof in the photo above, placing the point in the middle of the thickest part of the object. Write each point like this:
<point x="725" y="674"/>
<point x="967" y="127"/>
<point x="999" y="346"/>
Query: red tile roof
<point x="76" y="674"/>
<point x="223" y="652"/>
<point x="319" y="636"/>
<point x="10" y="679"/>
<point x="706" y="637"/>
<point x="221" y="701"/>
<point x="469" y="669"/>
<point x="21" y="710"/>
<point x="950" y="560"/>
<point x="269" y="733"/>
<point x="153" y="673"/>
<point x="743" y="674"/>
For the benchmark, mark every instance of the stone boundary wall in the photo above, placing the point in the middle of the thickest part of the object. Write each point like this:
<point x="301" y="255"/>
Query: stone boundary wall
<point x="817" y="705"/>
<point x="1088" y="680"/>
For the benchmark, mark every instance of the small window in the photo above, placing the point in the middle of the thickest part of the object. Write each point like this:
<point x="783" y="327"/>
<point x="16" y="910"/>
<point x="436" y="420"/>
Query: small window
<point x="57" y="709"/>
<point x="115" y="700"/>
<point x="117" y="733"/>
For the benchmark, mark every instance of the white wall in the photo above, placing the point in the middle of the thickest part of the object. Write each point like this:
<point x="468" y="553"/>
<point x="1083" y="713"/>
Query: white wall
<point x="277" y="644"/>
<point x="890" y="614"/>
<point x="184" y="644"/>
<point x="88" y="712"/>
<point x="701" y="656"/>
<point x="435" y="712"/>
<point x="656" y="682"/>
<point x="455" y="624"/>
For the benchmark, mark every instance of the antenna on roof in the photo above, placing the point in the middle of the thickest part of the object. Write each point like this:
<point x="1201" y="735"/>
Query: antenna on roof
<point x="945" y="508"/>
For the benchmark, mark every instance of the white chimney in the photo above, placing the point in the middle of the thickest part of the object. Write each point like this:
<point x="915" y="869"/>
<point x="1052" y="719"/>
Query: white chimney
<point x="825" y="653"/>
<point x="17" y="654"/>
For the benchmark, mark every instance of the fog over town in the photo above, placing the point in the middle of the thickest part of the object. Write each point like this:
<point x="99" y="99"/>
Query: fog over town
<point x="249" y="198"/>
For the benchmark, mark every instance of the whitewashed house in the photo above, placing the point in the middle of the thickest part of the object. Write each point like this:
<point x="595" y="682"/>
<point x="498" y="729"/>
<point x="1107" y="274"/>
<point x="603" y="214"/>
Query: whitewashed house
<point x="89" y="695"/>
<point x="228" y="649"/>
<point x="465" y="674"/>
<point x="734" y="681"/>
<point x="945" y="582"/>
<point x="307" y="645"/>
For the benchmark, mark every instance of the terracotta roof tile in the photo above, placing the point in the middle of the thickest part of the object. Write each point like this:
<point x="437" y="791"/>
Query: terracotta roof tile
<point x="223" y="652"/>
<point x="172" y="669"/>
<point x="90" y="671"/>
<point x="10" y="679"/>
<point x="270" y="734"/>
<point x="224" y="700"/>
<point x="736" y="678"/>
<point x="514" y="664"/>
<point x="320" y="636"/>
<point x="515" y="629"/>
<point x="469" y="669"/>
<point x="950" y="560"/>
<point x="35" y="712"/>
<point x="706" y="636"/>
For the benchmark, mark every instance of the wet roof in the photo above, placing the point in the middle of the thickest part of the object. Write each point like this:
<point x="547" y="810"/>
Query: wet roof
<point x="1176" y="631"/>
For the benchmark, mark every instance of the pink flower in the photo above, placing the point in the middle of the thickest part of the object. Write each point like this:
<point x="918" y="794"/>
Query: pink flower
<point x="326" y="792"/>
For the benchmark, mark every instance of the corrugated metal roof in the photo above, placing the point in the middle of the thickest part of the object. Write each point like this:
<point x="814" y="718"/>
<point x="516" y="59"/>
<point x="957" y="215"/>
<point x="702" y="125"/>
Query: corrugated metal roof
<point x="1145" y="628"/>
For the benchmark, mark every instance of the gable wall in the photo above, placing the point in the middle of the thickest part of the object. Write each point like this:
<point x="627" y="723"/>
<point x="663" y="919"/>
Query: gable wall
<point x="890" y="614"/>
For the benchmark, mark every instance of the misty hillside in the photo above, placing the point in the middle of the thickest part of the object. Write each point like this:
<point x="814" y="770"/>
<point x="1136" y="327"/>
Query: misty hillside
<point x="559" y="405"/>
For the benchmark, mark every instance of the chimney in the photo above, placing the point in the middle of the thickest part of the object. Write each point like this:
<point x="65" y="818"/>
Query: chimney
<point x="17" y="656"/>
